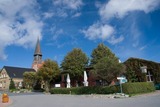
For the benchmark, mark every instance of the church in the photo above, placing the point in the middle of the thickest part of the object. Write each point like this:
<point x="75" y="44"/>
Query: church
<point x="16" y="73"/>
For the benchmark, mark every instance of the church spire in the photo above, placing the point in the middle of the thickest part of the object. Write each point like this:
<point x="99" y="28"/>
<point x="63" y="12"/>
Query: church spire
<point x="37" y="49"/>
<point x="37" y="62"/>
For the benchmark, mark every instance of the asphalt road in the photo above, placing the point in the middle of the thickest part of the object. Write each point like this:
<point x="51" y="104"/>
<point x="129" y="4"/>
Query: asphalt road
<point x="42" y="100"/>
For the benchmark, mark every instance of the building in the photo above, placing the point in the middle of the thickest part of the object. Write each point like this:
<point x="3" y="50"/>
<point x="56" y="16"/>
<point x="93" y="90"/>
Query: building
<point x="15" y="73"/>
<point x="135" y="73"/>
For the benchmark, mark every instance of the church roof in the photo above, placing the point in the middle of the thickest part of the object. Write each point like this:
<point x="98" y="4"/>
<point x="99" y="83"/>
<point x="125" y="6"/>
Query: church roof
<point x="38" y="48"/>
<point x="17" y="72"/>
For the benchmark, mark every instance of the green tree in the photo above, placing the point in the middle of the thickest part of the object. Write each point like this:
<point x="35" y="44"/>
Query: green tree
<point x="74" y="63"/>
<point x="29" y="79"/>
<point x="106" y="65"/>
<point x="48" y="72"/>
<point x="100" y="52"/>
<point x="107" y="69"/>
<point x="12" y="85"/>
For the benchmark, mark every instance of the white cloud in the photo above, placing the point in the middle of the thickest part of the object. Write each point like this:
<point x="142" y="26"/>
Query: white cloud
<point x="68" y="4"/>
<point x="64" y="8"/>
<point x="102" y="31"/>
<point x="134" y="33"/>
<point x="76" y="15"/>
<point x="98" y="4"/>
<point x="56" y="32"/>
<point x="99" y="31"/>
<point x="61" y="13"/>
<point x="143" y="47"/>
<point x="48" y="15"/>
<point x="120" y="8"/>
<point x="114" y="40"/>
<point x="19" y="24"/>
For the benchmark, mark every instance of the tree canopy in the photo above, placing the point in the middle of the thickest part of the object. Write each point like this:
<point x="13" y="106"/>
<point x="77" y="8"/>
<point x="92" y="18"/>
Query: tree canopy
<point x="75" y="62"/>
<point x="48" y="72"/>
<point x="105" y="63"/>
<point x="100" y="52"/>
<point x="108" y="69"/>
<point x="29" y="79"/>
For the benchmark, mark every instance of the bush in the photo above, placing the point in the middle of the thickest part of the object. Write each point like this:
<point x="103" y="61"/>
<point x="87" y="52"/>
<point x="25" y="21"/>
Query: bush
<point x="138" y="87"/>
<point x="128" y="88"/>
<point x="12" y="85"/>
<point x="60" y="91"/>
<point x="86" y="90"/>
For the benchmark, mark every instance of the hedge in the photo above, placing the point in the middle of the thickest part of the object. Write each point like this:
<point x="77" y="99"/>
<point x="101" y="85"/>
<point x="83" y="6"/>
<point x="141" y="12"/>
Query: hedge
<point x="128" y="88"/>
<point x="85" y="90"/>
<point x="138" y="87"/>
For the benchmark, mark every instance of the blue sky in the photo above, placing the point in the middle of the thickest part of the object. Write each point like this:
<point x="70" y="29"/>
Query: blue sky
<point x="130" y="28"/>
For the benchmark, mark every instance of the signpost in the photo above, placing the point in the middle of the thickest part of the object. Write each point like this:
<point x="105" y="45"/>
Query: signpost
<point x="121" y="81"/>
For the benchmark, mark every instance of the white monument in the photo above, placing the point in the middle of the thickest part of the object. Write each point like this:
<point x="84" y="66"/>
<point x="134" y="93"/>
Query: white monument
<point x="68" y="81"/>
<point x="85" y="79"/>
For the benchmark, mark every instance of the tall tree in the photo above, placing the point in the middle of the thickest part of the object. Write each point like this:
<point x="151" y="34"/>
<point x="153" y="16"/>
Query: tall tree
<point x="105" y="63"/>
<point x="75" y="62"/>
<point x="100" y="52"/>
<point x="29" y="79"/>
<point x="107" y="69"/>
<point x="48" y="72"/>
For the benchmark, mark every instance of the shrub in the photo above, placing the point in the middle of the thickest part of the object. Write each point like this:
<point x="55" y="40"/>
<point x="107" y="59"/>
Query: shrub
<point x="86" y="90"/>
<point x="128" y="88"/>
<point x="138" y="87"/>
<point x="12" y="85"/>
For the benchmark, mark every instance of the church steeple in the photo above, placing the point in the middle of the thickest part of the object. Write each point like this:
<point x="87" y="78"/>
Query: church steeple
<point x="37" y="49"/>
<point x="37" y="62"/>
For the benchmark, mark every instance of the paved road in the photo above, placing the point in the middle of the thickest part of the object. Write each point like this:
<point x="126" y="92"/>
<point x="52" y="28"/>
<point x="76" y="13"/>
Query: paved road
<point x="42" y="100"/>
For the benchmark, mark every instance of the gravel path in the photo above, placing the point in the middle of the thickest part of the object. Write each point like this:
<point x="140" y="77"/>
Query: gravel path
<point x="145" y="100"/>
